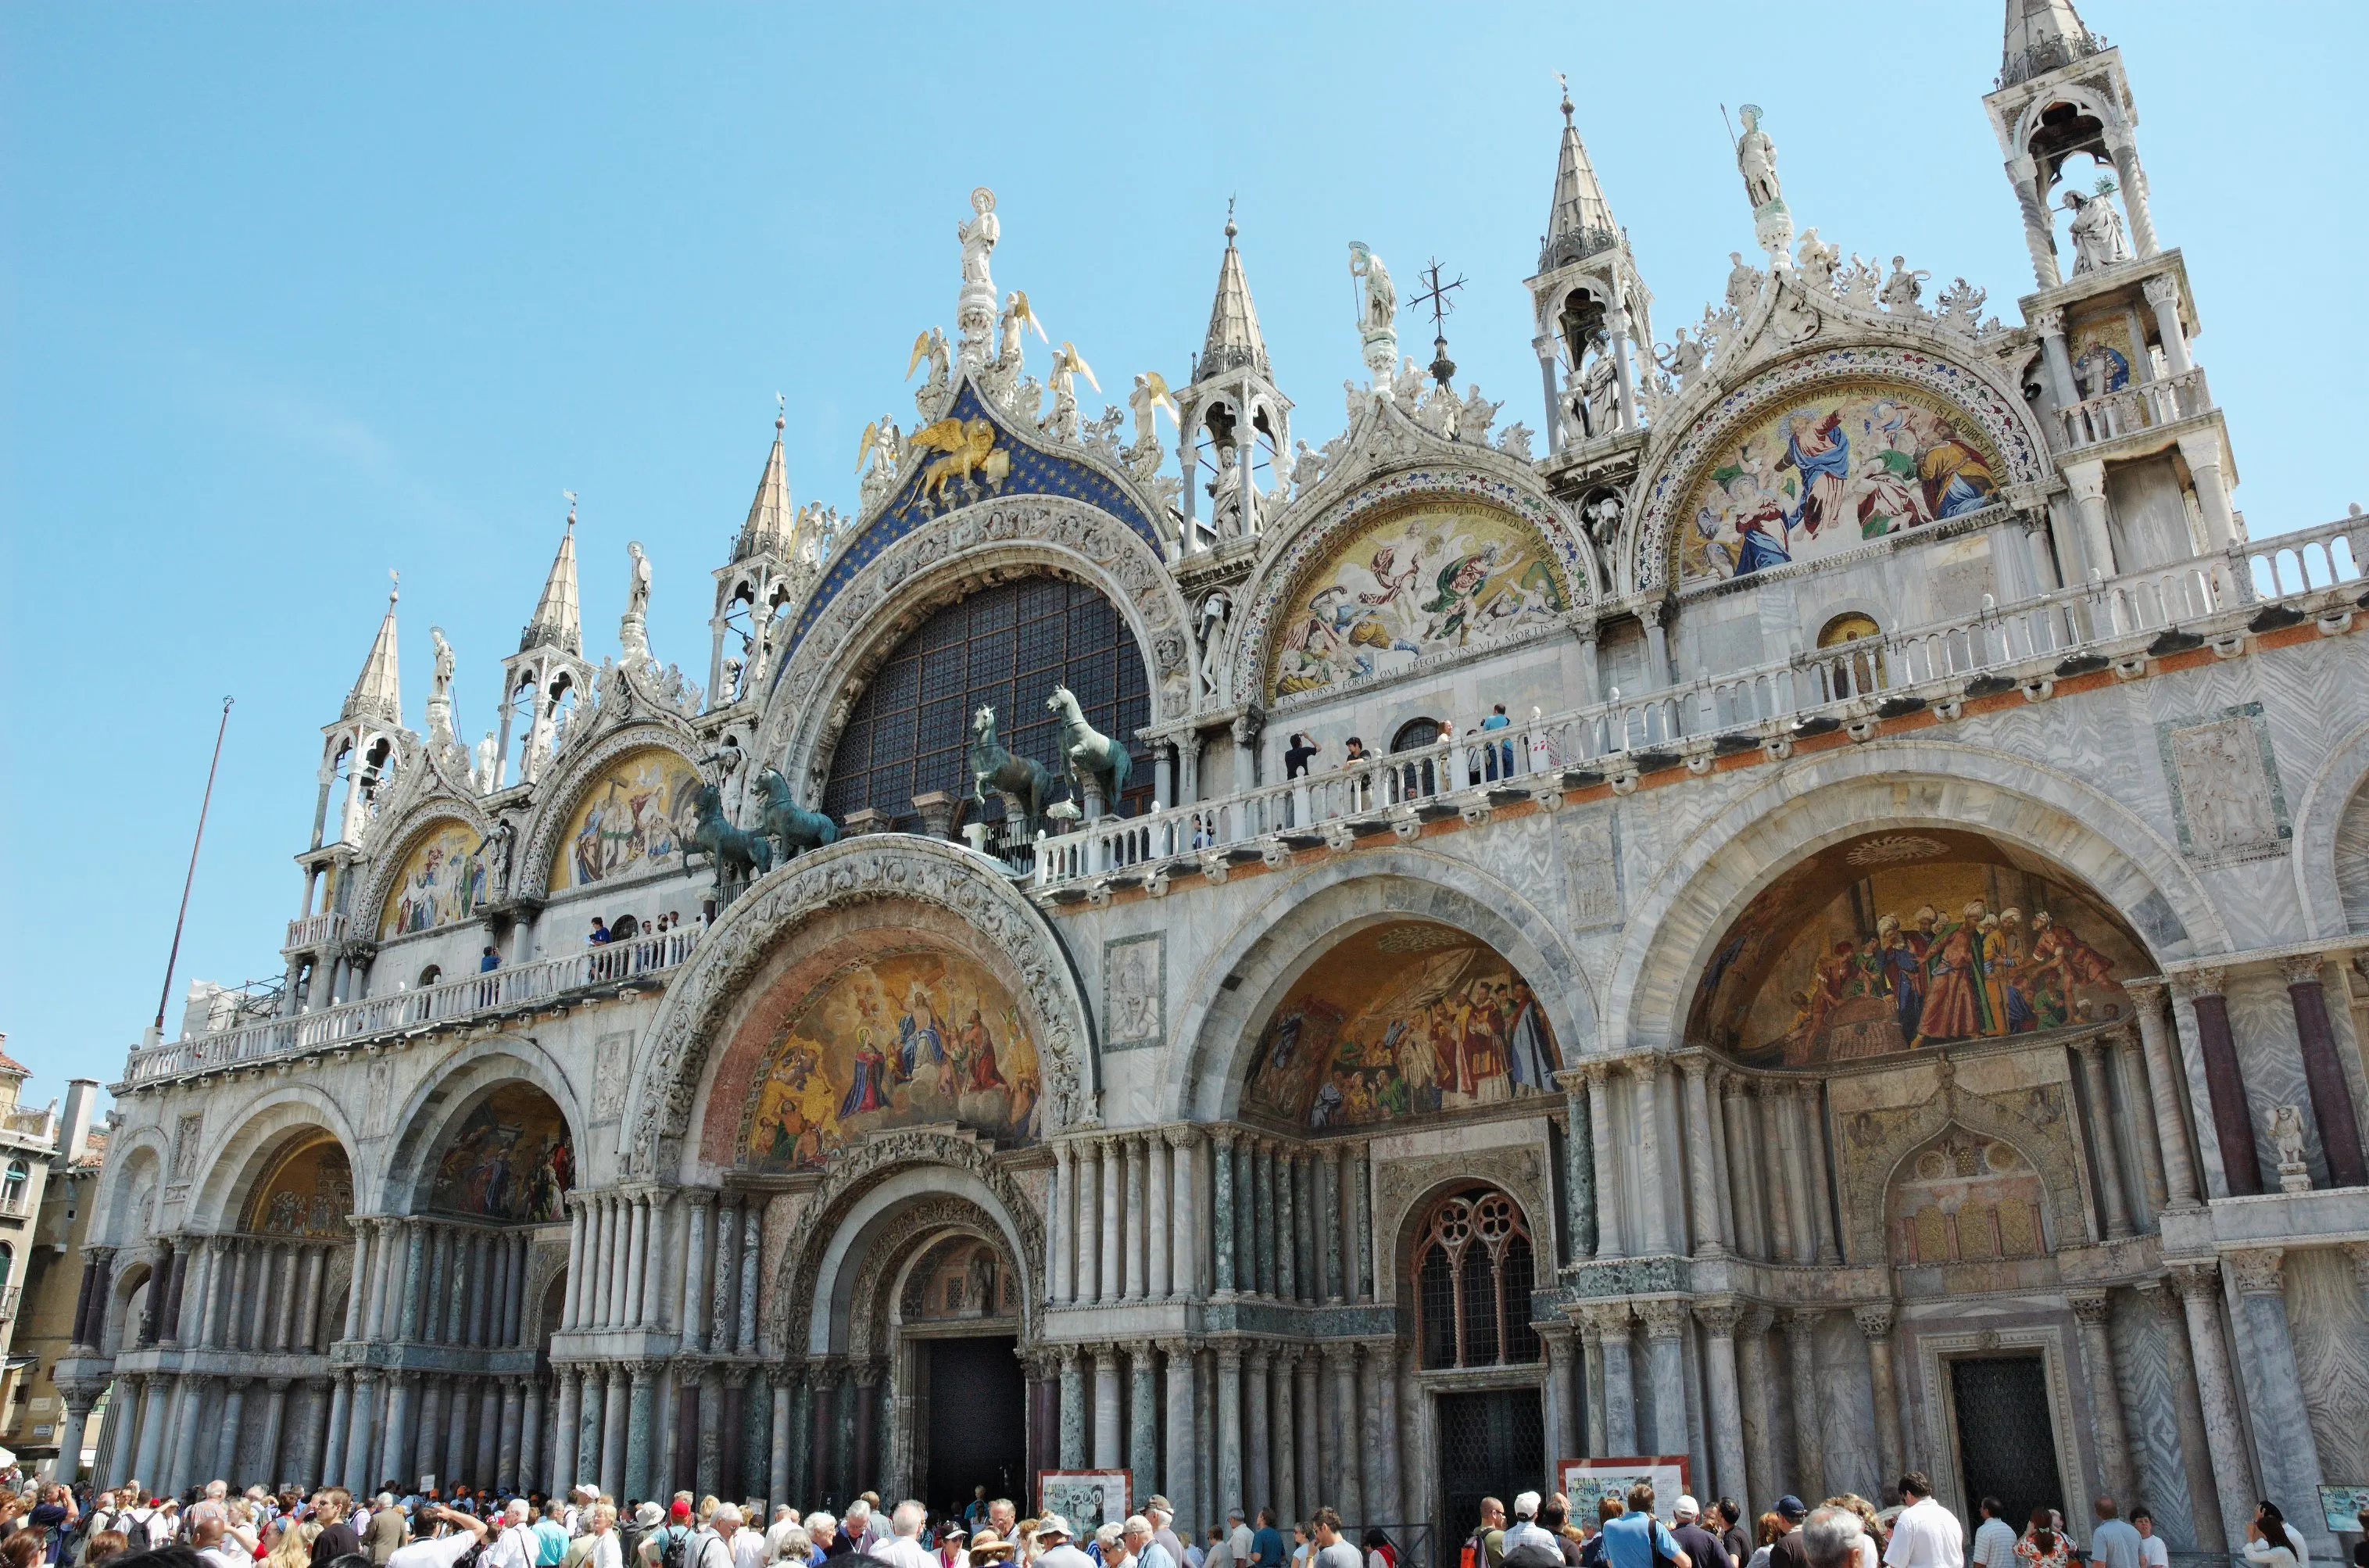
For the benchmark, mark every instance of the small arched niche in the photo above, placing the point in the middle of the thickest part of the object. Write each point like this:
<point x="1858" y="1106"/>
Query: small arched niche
<point x="1964" y="1199"/>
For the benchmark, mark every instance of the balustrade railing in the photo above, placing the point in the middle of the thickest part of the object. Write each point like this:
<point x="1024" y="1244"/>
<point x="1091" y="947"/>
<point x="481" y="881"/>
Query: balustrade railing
<point x="2126" y="410"/>
<point x="490" y="990"/>
<point x="315" y="931"/>
<point x="1887" y="675"/>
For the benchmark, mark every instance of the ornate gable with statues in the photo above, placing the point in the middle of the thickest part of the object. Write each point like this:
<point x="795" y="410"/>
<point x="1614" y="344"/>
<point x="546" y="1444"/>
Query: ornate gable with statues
<point x="1794" y="898"/>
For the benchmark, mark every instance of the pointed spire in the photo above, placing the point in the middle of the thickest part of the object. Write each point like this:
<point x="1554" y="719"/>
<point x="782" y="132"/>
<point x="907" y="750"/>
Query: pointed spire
<point x="1580" y="222"/>
<point x="1234" y="340"/>
<point x="2041" y="36"/>
<point x="768" y="528"/>
<point x="556" y="623"/>
<point x="378" y="690"/>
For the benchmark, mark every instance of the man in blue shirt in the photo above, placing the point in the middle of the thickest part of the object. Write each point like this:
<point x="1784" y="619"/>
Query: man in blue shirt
<point x="1631" y="1539"/>
<point x="1266" y="1546"/>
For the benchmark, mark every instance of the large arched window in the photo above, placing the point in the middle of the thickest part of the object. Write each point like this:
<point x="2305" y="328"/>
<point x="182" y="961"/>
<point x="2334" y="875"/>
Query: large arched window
<point x="1474" y="1271"/>
<point x="1004" y="647"/>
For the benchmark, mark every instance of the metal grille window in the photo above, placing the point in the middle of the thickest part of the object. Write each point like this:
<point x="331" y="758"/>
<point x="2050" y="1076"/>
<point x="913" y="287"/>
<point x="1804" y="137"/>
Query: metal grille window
<point x="1004" y="647"/>
<point x="1475" y="1270"/>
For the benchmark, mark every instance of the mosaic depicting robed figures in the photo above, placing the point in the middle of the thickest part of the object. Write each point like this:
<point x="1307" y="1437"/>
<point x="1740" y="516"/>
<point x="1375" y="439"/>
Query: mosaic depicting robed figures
<point x="636" y="819"/>
<point x="442" y="879"/>
<point x="1400" y="1020"/>
<point x="309" y="1193"/>
<point x="1435" y="580"/>
<point x="892" y="1041"/>
<point x="513" y="1157"/>
<point x="1828" y="473"/>
<point x="1898" y="941"/>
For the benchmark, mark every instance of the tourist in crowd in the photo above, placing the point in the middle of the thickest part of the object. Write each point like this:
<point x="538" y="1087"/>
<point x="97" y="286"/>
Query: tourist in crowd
<point x="1701" y="1547"/>
<point x="1332" y="1551"/>
<point x="607" y="1550"/>
<point x="105" y="1546"/>
<point x="1767" y="1530"/>
<point x="2114" y="1543"/>
<point x="989" y="1549"/>
<point x="2275" y="1527"/>
<point x="1147" y="1551"/>
<point x="1489" y="1536"/>
<point x="1218" y="1554"/>
<point x="2266" y="1542"/>
<point x="1526" y="1543"/>
<point x="337" y="1538"/>
<point x="749" y="1546"/>
<point x="1238" y="1537"/>
<point x="1994" y="1544"/>
<point x="1787" y="1550"/>
<point x="1053" y="1536"/>
<point x="2153" y="1552"/>
<point x="385" y="1530"/>
<point x="903" y="1548"/>
<point x="1381" y="1550"/>
<point x="600" y="936"/>
<point x="1303" y="1536"/>
<point x="1163" y="1515"/>
<point x="1634" y="1538"/>
<point x="2043" y="1544"/>
<point x="488" y="960"/>
<point x="713" y="1548"/>
<point x="1833" y="1537"/>
<point x="1927" y="1535"/>
<point x="456" y="1533"/>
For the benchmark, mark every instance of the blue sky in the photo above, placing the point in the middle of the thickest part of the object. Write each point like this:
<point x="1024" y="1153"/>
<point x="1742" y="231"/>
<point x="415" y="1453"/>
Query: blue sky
<point x="295" y="294"/>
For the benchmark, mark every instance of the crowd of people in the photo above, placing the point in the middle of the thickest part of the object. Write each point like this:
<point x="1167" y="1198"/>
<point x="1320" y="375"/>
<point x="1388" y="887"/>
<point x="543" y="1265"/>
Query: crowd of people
<point x="55" y="1526"/>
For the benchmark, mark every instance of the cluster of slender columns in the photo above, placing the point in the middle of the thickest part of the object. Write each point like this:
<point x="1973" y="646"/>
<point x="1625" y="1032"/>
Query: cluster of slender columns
<point x="170" y="1431"/>
<point x="438" y="1282"/>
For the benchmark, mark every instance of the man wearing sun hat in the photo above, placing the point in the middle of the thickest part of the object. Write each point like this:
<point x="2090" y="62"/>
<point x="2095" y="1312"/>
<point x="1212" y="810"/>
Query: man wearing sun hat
<point x="1053" y="1535"/>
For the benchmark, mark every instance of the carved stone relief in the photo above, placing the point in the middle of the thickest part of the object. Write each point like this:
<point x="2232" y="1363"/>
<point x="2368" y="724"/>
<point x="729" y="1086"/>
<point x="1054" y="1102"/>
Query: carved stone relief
<point x="2225" y="799"/>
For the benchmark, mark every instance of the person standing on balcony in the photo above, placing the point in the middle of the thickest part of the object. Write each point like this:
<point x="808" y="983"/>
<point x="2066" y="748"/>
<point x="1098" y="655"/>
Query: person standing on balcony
<point x="600" y="937"/>
<point x="1296" y="756"/>
<point x="491" y="960"/>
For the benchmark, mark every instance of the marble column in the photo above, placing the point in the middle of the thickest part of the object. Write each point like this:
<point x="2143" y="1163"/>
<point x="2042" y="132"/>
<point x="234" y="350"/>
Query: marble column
<point x="1742" y="1169"/>
<point x="782" y="1382"/>
<point x="1263" y="1215"/>
<point x="1229" y="1429"/>
<point x="1060" y="1227"/>
<point x="709" y="1461"/>
<point x="1138" y="1233"/>
<point x="1287" y="1225"/>
<point x="1308" y="1398"/>
<point x="1185" y="1216"/>
<point x="2166" y="1086"/>
<point x="1158" y="1279"/>
<point x="2130" y="1085"/>
<point x="1809" y="1440"/>
<point x="1579" y="1166"/>
<point x="2199" y="1286"/>
<point x="634" y="1470"/>
<point x="1701" y="1179"/>
<point x="566" y="1421"/>
<point x="1328" y="1223"/>
<point x="2323" y="1070"/>
<point x="1257" y="1428"/>
<point x="1341" y="1360"/>
<point x="1360" y="1172"/>
<point x="2187" y="1411"/>
<point x="696" y="1227"/>
<point x="1760" y="1414"/>
<point x="1143" y="1419"/>
<point x="2224" y="1085"/>
<point x="1666" y="1366"/>
<point x="234" y="1423"/>
<point x="1108" y="1453"/>
<point x="362" y="1427"/>
<point x="1385" y="1485"/>
<point x="724" y="1289"/>
<point x="637" y="1251"/>
<point x="1090" y="1224"/>
<point x="752" y="1246"/>
<point x="1562" y="1435"/>
<point x="1655" y="1171"/>
<point x="1811" y="1098"/>
<point x="2104" y="1158"/>
<point x="1114" y="1168"/>
<point x="150" y="1427"/>
<point x="1181" y="1489"/>
<point x="1591" y="1365"/>
<point x="1221" y="1215"/>
<point x="395" y="1456"/>
<point x="1282" y="1397"/>
<point x="1875" y="1324"/>
<point x="1780" y="1190"/>
<point x="507" y="1452"/>
<point x="1718" y="1317"/>
<point x="2093" y="1309"/>
<point x="1610" y="1224"/>
<point x="1073" y="1411"/>
<point x="1619" y="1396"/>
<point x="2290" y="1457"/>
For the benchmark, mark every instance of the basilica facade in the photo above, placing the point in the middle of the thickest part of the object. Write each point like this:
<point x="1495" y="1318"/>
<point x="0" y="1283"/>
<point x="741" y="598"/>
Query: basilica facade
<point x="1803" y="918"/>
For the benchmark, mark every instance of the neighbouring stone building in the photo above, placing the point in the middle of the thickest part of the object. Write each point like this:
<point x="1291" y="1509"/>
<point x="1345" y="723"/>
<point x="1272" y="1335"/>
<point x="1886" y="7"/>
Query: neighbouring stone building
<point x="33" y="1414"/>
<point x="1841" y="949"/>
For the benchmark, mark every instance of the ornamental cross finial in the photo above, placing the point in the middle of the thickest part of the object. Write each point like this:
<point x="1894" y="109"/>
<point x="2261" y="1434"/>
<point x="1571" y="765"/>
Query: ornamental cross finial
<point x="1436" y="297"/>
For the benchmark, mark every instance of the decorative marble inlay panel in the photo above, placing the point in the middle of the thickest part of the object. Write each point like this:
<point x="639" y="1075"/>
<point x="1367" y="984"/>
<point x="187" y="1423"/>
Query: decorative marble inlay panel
<point x="2226" y="797"/>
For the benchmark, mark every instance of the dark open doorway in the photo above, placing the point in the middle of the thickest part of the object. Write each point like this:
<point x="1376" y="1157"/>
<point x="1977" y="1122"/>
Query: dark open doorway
<point x="2007" y="1440"/>
<point x="978" y="1422"/>
<point x="1491" y="1445"/>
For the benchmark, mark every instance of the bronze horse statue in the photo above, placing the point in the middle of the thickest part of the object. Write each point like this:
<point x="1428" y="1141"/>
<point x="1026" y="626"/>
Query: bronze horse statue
<point x="782" y="817"/>
<point x="992" y="767"/>
<point x="732" y="849"/>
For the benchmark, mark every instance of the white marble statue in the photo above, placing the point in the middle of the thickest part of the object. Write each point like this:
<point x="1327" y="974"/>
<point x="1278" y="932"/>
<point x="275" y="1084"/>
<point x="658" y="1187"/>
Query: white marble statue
<point x="2286" y="1134"/>
<point x="1061" y="423"/>
<point x="440" y="691"/>
<point x="633" y="630"/>
<point x="977" y="237"/>
<point x="1742" y="281"/>
<point x="1473" y="421"/>
<point x="1376" y="314"/>
<point x="1307" y="467"/>
<point x="2098" y="239"/>
<point x="489" y="762"/>
<point x="1819" y="262"/>
<point x="1901" y="288"/>
<point x="1755" y="158"/>
<point x="1682" y="357"/>
<point x="1214" y="610"/>
<point x="1149" y="397"/>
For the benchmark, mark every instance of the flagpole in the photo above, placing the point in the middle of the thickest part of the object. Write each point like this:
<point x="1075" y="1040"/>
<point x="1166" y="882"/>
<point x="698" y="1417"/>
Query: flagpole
<point x="205" y="804"/>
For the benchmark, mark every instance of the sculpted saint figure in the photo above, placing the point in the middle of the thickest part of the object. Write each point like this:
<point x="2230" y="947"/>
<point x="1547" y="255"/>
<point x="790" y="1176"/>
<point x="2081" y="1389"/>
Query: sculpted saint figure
<point x="1756" y="158"/>
<point x="1381" y="296"/>
<point x="978" y="238"/>
<point x="2098" y="239"/>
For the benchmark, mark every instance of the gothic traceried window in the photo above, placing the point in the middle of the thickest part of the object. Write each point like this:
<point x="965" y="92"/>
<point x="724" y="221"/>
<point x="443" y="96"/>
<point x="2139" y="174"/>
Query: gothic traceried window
<point x="1473" y="1272"/>
<point x="1005" y="647"/>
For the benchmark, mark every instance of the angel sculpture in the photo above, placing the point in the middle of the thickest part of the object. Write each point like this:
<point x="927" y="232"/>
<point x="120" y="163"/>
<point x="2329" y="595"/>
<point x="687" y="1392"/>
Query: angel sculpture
<point x="1819" y="262"/>
<point x="1478" y="414"/>
<point x="1017" y="320"/>
<point x="1061" y="424"/>
<point x="882" y="447"/>
<point x="1681" y="356"/>
<point x="1408" y="389"/>
<point x="932" y="396"/>
<point x="1307" y="467"/>
<point x="490" y="763"/>
<point x="1900" y="290"/>
<point x="1149" y="397"/>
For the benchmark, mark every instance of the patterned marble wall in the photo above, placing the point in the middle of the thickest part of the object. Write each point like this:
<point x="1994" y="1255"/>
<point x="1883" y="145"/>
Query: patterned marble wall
<point x="2142" y="1367"/>
<point x="2326" y="1316"/>
<point x="2262" y="1019"/>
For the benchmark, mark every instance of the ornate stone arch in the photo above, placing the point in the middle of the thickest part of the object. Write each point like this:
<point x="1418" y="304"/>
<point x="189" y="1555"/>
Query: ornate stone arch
<point x="1399" y="465"/>
<point x="2095" y="97"/>
<point x="1275" y="941"/>
<point x="244" y="1151"/>
<point x="877" y="1182"/>
<point x="1677" y="920"/>
<point x="130" y="1184"/>
<point x="389" y="844"/>
<point x="889" y="1260"/>
<point x="673" y="1062"/>
<point x="556" y="800"/>
<point x="1993" y="405"/>
<point x="1406" y="1192"/>
<point x="1870" y="1172"/>
<point x="427" y="1116"/>
<point x="945" y="559"/>
<point x="2332" y="839"/>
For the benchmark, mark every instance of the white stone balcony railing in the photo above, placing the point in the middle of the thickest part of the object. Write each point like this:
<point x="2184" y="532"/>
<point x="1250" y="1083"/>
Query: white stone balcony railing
<point x="2144" y="405"/>
<point x="315" y="931"/>
<point x="402" y="1011"/>
<point x="2056" y="635"/>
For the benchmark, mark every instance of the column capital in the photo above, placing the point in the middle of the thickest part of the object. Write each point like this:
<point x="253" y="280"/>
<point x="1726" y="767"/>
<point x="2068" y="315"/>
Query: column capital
<point x="2189" y="984"/>
<point x="1105" y="1358"/>
<point x="2147" y="992"/>
<point x="1184" y="1135"/>
<point x="1175" y="1348"/>
<point x="2302" y="968"/>
<point x="2154" y="1296"/>
<point x="2359" y="1252"/>
<point x="1556" y="1336"/>
<point x="1288" y="1356"/>
<point x="278" y="1385"/>
<point x="1720" y="1315"/>
<point x="1340" y="1355"/>
<point x="1758" y="1319"/>
<point x="2257" y="1270"/>
<point x="1230" y="1355"/>
<point x="2048" y="323"/>
<point x="1594" y="1071"/>
<point x="2093" y="1308"/>
<point x="1801" y="1322"/>
<point x="1695" y="1065"/>
<point x="868" y="1372"/>
<point x="1223" y="1136"/>
<point x="1664" y="1319"/>
<point x="1769" y="1088"/>
<point x="2161" y="290"/>
<point x="1259" y="1357"/>
<point x="1139" y="1351"/>
<point x="1607" y="1317"/>
<point x="1876" y="1320"/>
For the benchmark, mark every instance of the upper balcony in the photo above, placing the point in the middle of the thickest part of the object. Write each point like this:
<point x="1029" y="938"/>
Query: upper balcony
<point x="2131" y="412"/>
<point x="488" y="994"/>
<point x="2072" y="632"/>
<point x="313" y="932"/>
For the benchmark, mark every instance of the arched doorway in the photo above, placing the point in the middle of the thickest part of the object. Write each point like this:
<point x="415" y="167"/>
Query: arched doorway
<point x="1470" y="1276"/>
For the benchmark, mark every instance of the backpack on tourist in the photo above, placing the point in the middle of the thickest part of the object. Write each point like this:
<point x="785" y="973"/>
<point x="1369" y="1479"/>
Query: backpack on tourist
<point x="138" y="1526"/>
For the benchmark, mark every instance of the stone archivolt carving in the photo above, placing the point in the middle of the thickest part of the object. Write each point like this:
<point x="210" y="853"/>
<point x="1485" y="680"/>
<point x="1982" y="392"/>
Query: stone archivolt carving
<point x="928" y="1221"/>
<point x="1710" y="425"/>
<point x="389" y="842"/>
<point x="1871" y="1145"/>
<point x="1401" y="1184"/>
<point x="943" y="560"/>
<point x="556" y="800"/>
<point x="681" y="1038"/>
<point x="874" y="1161"/>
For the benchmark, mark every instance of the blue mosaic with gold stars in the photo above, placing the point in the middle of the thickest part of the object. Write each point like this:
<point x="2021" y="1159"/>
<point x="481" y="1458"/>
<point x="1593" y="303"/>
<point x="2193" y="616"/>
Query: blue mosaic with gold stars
<point x="1034" y="472"/>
